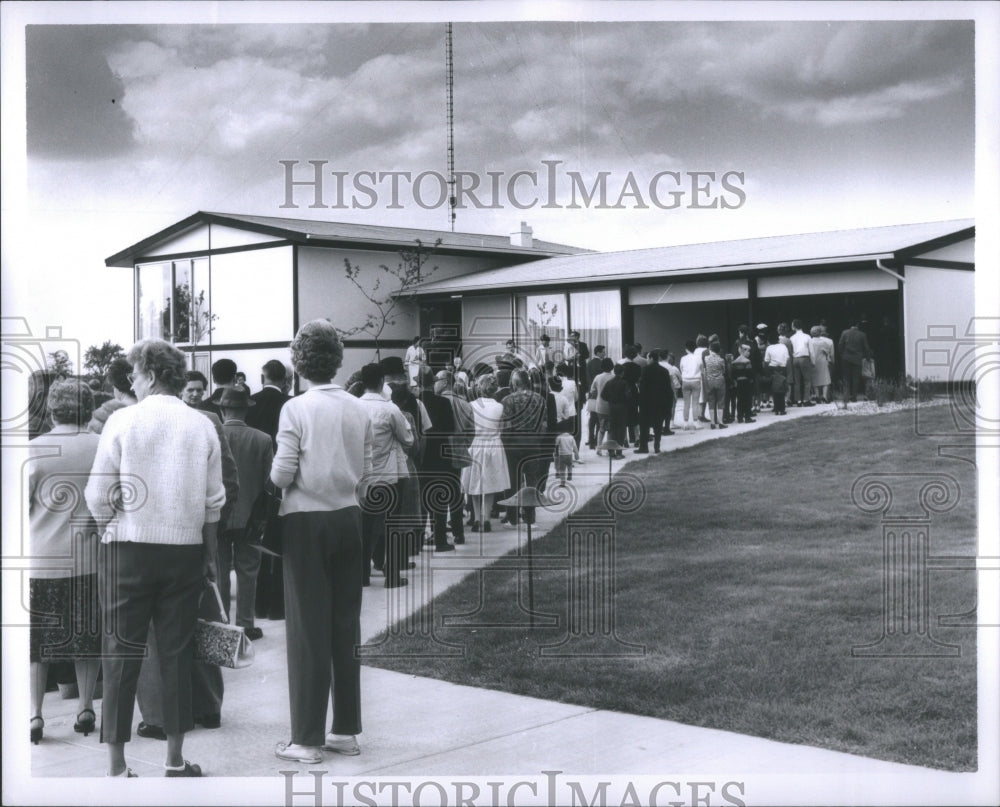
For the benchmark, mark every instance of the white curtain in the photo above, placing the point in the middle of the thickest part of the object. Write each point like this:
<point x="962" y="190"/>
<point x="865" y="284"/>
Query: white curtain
<point x="597" y="315"/>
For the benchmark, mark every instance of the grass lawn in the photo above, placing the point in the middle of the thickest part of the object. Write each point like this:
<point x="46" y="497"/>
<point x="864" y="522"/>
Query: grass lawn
<point x="747" y="574"/>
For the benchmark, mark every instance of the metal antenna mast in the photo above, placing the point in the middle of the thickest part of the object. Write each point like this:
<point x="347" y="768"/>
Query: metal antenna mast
<point x="450" y="76"/>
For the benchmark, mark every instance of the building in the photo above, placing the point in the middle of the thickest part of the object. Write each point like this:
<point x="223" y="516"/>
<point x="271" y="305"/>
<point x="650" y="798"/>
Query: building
<point x="239" y="286"/>
<point x="232" y="286"/>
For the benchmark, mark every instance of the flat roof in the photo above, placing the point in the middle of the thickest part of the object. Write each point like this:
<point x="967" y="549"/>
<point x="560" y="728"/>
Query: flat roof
<point x="691" y="260"/>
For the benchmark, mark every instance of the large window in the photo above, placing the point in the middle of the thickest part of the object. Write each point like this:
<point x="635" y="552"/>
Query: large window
<point x="539" y="314"/>
<point x="173" y="302"/>
<point x="597" y="315"/>
<point x="236" y="298"/>
<point x="252" y="296"/>
<point x="153" y="280"/>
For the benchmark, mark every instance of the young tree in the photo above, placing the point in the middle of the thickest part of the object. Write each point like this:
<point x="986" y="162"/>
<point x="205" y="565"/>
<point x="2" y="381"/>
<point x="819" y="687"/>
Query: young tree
<point x="97" y="360"/>
<point x="391" y="288"/>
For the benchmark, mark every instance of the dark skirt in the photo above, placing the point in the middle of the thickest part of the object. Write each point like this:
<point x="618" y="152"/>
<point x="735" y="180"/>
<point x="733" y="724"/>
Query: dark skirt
<point x="65" y="618"/>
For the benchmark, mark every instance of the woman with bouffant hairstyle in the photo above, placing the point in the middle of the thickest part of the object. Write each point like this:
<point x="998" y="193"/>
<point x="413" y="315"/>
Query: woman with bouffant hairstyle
<point x="156" y="489"/>
<point x="324" y="453"/>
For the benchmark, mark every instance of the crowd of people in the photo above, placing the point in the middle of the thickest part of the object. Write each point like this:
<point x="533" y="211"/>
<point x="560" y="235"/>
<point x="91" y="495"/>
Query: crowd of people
<point x="163" y="485"/>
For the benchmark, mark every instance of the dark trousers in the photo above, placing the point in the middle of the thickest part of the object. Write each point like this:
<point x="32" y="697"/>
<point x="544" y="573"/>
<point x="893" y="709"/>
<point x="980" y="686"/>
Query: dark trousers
<point x="593" y="422"/>
<point x="445" y="502"/>
<point x="207" y="686"/>
<point x="528" y="459"/>
<point x="322" y="564"/>
<point x="385" y="551"/>
<point x="245" y="559"/>
<point x="779" y="402"/>
<point x="651" y="416"/>
<point x="854" y="382"/>
<point x="744" y="399"/>
<point x="802" y="368"/>
<point x="138" y="584"/>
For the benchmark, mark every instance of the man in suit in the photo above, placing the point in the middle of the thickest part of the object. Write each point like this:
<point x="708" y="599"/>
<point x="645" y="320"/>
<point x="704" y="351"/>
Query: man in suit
<point x="852" y="350"/>
<point x="268" y="402"/>
<point x="263" y="415"/>
<point x="576" y="354"/>
<point x="253" y="452"/>
<point x="437" y="467"/>
<point x="656" y="401"/>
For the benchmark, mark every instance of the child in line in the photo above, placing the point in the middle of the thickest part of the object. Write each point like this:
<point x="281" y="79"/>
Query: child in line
<point x="566" y="452"/>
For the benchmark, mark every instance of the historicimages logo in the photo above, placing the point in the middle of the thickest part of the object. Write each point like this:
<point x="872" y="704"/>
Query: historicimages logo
<point x="313" y="184"/>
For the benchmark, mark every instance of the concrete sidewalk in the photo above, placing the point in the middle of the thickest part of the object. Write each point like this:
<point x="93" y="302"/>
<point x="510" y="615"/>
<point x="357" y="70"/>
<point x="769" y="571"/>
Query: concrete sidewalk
<point x="420" y="727"/>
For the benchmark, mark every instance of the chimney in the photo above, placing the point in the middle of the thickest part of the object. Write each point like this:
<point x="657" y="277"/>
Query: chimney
<point x="522" y="238"/>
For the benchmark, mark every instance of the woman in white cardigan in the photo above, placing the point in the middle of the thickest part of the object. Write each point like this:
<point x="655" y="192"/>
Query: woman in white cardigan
<point x="156" y="490"/>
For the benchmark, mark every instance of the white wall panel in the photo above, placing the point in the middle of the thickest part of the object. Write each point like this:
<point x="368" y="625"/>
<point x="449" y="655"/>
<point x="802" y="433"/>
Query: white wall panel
<point x="825" y="283"/>
<point x="697" y="292"/>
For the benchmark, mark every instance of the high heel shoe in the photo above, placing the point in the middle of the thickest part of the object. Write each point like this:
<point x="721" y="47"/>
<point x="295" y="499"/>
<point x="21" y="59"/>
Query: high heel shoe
<point x="36" y="731"/>
<point x="85" y="722"/>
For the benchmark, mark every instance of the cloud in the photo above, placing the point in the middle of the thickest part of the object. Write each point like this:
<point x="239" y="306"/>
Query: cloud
<point x="75" y="103"/>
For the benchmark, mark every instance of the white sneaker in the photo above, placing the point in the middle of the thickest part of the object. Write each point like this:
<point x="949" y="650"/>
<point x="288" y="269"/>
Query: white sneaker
<point x="347" y="746"/>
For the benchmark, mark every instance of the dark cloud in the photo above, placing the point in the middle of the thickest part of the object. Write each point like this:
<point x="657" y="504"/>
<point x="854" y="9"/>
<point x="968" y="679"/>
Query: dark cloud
<point x="74" y="101"/>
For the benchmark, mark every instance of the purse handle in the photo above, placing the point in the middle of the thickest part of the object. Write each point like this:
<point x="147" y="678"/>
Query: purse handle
<point x="218" y="598"/>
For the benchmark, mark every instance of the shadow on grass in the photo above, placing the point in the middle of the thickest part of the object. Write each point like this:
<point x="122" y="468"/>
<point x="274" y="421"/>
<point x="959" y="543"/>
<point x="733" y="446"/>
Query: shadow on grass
<point x="746" y="578"/>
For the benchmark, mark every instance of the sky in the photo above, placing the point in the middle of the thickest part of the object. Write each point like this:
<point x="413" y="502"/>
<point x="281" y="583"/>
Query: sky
<point x="795" y="126"/>
<point x="120" y="119"/>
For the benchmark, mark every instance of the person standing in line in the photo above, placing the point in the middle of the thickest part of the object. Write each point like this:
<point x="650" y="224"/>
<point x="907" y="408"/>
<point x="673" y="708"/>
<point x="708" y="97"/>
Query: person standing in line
<point x="853" y="350"/>
<point x="253" y="454"/>
<point x="602" y="411"/>
<point x="322" y="465"/>
<point x="821" y="353"/>
<point x="743" y="378"/>
<point x="438" y="466"/>
<point x="391" y="436"/>
<point x="690" y="369"/>
<point x="62" y="583"/>
<point x="123" y="396"/>
<point x="616" y="395"/>
<point x="576" y="354"/>
<point x="714" y="379"/>
<point x="656" y="400"/>
<point x="701" y="347"/>
<point x="207" y="684"/>
<point x="487" y="473"/>
<point x="263" y="414"/>
<point x="776" y="360"/>
<point x="669" y="363"/>
<point x="594" y="369"/>
<point x="525" y="439"/>
<point x="762" y="393"/>
<point x="566" y="452"/>
<point x="544" y="352"/>
<point x="155" y="557"/>
<point x="414" y="359"/>
<point x="454" y="392"/>
<point x="802" y="366"/>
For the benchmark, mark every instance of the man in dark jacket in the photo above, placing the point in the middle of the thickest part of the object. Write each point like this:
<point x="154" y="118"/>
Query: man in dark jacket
<point x="437" y="471"/>
<point x="656" y="401"/>
<point x="852" y="350"/>
<point x="525" y="416"/>
<point x="267" y="403"/>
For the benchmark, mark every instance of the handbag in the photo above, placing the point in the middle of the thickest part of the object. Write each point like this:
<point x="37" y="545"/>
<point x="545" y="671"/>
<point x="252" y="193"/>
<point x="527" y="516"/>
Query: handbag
<point x="263" y="529"/>
<point x="220" y="643"/>
<point x="868" y="368"/>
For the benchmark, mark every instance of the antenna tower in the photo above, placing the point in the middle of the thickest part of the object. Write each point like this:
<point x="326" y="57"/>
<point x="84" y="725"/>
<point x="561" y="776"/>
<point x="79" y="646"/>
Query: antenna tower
<point x="449" y="63"/>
